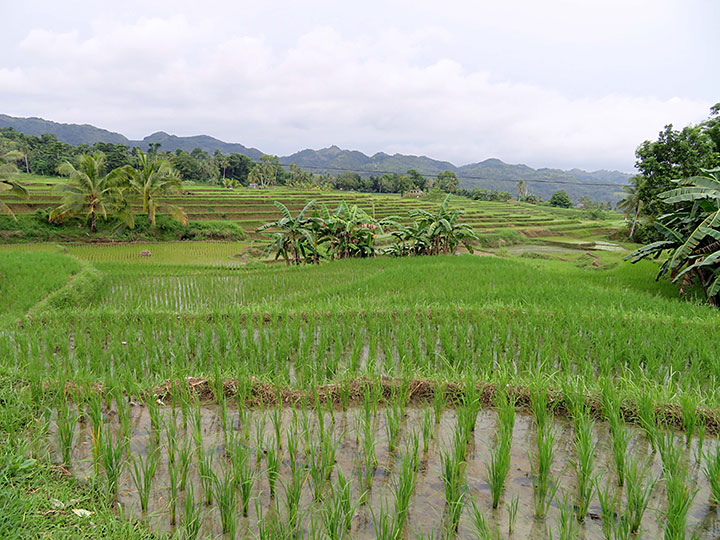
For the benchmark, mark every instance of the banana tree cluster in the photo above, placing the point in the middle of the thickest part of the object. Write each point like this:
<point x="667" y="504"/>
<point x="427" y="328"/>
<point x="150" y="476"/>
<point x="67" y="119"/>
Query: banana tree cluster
<point x="350" y="232"/>
<point x="347" y="232"/>
<point x="433" y="233"/>
<point x="8" y="182"/>
<point x="691" y="234"/>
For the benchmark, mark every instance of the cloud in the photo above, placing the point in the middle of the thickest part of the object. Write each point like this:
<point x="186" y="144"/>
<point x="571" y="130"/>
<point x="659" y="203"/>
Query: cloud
<point x="375" y="90"/>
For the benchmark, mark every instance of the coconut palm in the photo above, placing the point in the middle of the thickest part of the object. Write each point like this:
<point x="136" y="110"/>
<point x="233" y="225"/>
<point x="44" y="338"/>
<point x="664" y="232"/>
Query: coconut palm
<point x="153" y="179"/>
<point x="631" y="203"/>
<point x="295" y="240"/>
<point x="90" y="191"/>
<point x="692" y="234"/>
<point x="7" y="183"/>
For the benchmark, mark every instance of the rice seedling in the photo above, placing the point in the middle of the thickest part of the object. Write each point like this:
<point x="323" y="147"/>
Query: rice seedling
<point x="337" y="510"/>
<point x="483" y="531"/>
<point x="539" y="405"/>
<point x="244" y="477"/>
<point x="512" y="509"/>
<point x="143" y="471"/>
<point x="66" y="421"/>
<point x="647" y="415"/>
<point x="393" y="416"/>
<point x="567" y="525"/>
<point x="452" y="473"/>
<point x="192" y="518"/>
<point x="638" y="490"/>
<point x="173" y="489"/>
<point x="711" y="470"/>
<point x="207" y="476"/>
<point x="154" y="412"/>
<point x="403" y="490"/>
<point x="689" y="412"/>
<point x="608" y="498"/>
<point x="670" y="453"/>
<point x="620" y="440"/>
<point x="384" y="523"/>
<point x="293" y="492"/>
<point x="226" y="497"/>
<point x="113" y="460"/>
<point x="679" y="498"/>
<point x="498" y="466"/>
<point x="184" y="459"/>
<point x="366" y="428"/>
<point x="171" y="437"/>
<point x="585" y="453"/>
<point x="273" y="467"/>
<point x="94" y="411"/>
<point x="544" y="486"/>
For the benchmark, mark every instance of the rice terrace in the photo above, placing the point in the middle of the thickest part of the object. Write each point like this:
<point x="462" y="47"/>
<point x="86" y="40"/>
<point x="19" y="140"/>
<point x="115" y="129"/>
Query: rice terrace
<point x="220" y="343"/>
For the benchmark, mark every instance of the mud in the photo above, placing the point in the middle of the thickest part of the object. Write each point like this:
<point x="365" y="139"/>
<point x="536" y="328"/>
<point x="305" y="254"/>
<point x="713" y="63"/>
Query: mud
<point x="427" y="504"/>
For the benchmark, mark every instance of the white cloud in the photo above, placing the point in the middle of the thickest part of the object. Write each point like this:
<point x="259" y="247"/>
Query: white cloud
<point x="373" y="89"/>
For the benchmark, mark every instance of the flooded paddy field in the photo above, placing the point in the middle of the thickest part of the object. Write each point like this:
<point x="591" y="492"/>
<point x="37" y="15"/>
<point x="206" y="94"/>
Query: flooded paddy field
<point x="396" y="471"/>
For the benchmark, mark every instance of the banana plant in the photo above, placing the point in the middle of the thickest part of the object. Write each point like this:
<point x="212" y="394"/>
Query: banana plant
<point x="436" y="233"/>
<point x="295" y="240"/>
<point x="7" y="182"/>
<point x="691" y="234"/>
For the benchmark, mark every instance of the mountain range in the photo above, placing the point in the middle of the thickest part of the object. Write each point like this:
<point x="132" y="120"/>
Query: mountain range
<point x="601" y="185"/>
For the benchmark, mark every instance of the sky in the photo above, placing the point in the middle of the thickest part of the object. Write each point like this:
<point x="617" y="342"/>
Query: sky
<point x="557" y="83"/>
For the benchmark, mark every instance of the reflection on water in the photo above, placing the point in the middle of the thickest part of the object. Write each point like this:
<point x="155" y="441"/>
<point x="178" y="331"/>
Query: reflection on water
<point x="428" y="501"/>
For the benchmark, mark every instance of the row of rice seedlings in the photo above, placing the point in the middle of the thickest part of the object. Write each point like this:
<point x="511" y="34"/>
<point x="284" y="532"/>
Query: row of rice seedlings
<point x="498" y="465"/>
<point x="544" y="485"/>
<point x="338" y="509"/>
<point x="452" y="473"/>
<point x="143" y="471"/>
<point x="618" y="432"/>
<point x="405" y="486"/>
<point x="584" y="461"/>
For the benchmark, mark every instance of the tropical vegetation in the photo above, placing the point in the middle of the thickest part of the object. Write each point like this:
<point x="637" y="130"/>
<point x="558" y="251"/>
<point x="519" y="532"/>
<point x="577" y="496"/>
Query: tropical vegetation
<point x="690" y="234"/>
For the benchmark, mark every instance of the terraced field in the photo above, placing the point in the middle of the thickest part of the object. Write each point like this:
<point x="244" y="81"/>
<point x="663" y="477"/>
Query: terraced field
<point x="251" y="208"/>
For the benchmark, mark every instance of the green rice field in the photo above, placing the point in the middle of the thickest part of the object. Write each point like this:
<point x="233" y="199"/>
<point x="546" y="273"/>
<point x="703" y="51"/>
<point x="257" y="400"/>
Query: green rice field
<point x="543" y="388"/>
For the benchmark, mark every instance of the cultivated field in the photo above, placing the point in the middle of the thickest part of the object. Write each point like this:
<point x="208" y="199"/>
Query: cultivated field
<point x="388" y="398"/>
<point x="251" y="208"/>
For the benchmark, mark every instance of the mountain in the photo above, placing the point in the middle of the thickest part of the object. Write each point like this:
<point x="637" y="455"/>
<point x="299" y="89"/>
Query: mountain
<point x="489" y="174"/>
<point x="188" y="144"/>
<point x="70" y="133"/>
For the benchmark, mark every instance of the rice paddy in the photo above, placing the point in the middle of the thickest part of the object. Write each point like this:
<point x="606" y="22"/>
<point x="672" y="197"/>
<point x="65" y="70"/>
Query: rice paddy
<point x="205" y="394"/>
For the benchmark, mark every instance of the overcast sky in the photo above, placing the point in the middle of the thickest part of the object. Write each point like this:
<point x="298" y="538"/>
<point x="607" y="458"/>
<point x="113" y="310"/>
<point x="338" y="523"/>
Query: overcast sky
<point x="573" y="83"/>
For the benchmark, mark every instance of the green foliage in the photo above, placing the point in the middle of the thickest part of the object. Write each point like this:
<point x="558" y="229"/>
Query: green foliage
<point x="433" y="233"/>
<point x="691" y="234"/>
<point x="560" y="199"/>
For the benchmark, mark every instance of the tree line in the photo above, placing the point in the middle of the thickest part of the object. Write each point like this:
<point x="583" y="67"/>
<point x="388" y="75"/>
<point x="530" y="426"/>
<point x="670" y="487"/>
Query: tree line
<point x="44" y="154"/>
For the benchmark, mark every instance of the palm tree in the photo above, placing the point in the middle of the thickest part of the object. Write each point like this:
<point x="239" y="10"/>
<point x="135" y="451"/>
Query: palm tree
<point x="631" y="203"/>
<point x="153" y="179"/>
<point x="89" y="190"/>
<point x="7" y="183"/>
<point x="296" y="236"/>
